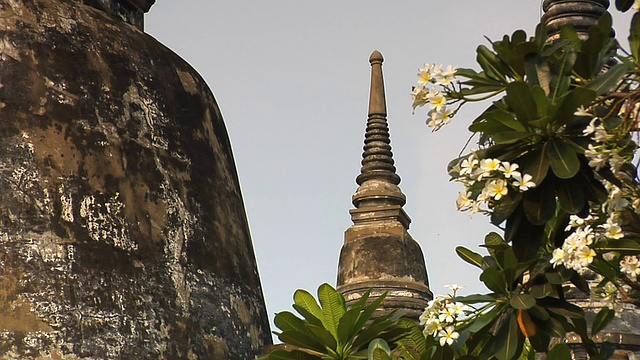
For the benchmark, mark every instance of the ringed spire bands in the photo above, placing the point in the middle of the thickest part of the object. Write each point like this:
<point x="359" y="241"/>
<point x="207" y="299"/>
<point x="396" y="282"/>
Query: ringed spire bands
<point x="378" y="252"/>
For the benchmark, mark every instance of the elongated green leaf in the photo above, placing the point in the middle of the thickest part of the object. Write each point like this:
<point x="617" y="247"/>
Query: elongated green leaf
<point x="301" y="340"/>
<point x="540" y="342"/>
<point x="508" y="338"/>
<point x="291" y="355"/>
<point x="634" y="36"/>
<point x="563" y="159"/>
<point x="520" y="100"/>
<point x="540" y="202"/>
<point x="368" y="311"/>
<point x="571" y="196"/>
<point x="542" y="104"/>
<point x="443" y="353"/>
<point x="623" y="5"/>
<point x="608" y="80"/>
<point x="469" y="256"/>
<point x="538" y="72"/>
<point x="538" y="312"/>
<point x="621" y="245"/>
<point x="505" y="207"/>
<point x="537" y="164"/>
<point x="494" y="280"/>
<point x="603" y="318"/>
<point x="378" y="350"/>
<point x="414" y="343"/>
<point x="332" y="307"/>
<point x="286" y="320"/>
<point x="474" y="299"/>
<point x="309" y="317"/>
<point x="490" y="63"/>
<point x="541" y="290"/>
<point x="571" y="102"/>
<point x="561" y="79"/>
<point x="346" y="326"/>
<point x="375" y="330"/>
<point x="505" y="118"/>
<point x="510" y="137"/>
<point x="561" y="307"/>
<point x="560" y="351"/>
<point x="522" y="301"/>
<point x="306" y="301"/>
<point x="484" y="320"/>
<point x="325" y="337"/>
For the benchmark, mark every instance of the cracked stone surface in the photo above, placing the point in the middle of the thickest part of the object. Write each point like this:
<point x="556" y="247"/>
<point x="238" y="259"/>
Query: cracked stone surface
<point x="122" y="229"/>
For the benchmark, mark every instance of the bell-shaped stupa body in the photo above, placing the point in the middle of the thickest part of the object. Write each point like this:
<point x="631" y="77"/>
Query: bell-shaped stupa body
<point x="378" y="252"/>
<point x="123" y="231"/>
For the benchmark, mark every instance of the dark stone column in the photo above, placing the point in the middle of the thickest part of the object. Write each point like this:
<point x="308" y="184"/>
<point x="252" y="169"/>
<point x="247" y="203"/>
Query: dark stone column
<point x="581" y="14"/>
<point x="122" y="228"/>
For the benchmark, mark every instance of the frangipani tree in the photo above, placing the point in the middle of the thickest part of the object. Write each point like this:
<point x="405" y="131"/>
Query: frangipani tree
<point x="554" y="172"/>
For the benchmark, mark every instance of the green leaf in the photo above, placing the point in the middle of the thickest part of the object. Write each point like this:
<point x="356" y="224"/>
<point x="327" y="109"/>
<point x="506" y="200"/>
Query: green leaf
<point x="505" y="118"/>
<point x="505" y="207"/>
<point x="540" y="202"/>
<point x="623" y="5"/>
<point x="494" y="280"/>
<point x="510" y="137"/>
<point x="484" y="320"/>
<point x="333" y="308"/>
<point x="414" y="343"/>
<point x="603" y="318"/>
<point x="537" y="164"/>
<point x="634" y="36"/>
<point x="560" y="351"/>
<point x="324" y="336"/>
<point x="474" y="299"/>
<point x="508" y="338"/>
<point x="301" y="340"/>
<point x="522" y="301"/>
<point x="561" y="307"/>
<point x="378" y="350"/>
<point x="286" y="320"/>
<point x="570" y="196"/>
<point x="542" y="104"/>
<point x="564" y="160"/>
<point x="291" y="355"/>
<point x="367" y="312"/>
<point x="561" y="81"/>
<point x="571" y="102"/>
<point x="540" y="341"/>
<point x="469" y="256"/>
<point x="538" y="72"/>
<point x="490" y="63"/>
<point x="539" y="312"/>
<point x="541" y="290"/>
<point x="607" y="81"/>
<point x="621" y="245"/>
<point x="520" y="100"/>
<point x="346" y="326"/>
<point x="303" y="299"/>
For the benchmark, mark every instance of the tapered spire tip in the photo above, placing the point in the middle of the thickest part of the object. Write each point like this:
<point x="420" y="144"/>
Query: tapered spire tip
<point x="376" y="57"/>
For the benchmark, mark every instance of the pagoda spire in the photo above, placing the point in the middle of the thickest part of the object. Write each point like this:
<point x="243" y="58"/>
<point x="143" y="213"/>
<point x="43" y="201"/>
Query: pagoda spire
<point x="378" y="252"/>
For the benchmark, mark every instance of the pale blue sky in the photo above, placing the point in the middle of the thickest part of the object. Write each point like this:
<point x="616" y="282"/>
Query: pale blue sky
<point x="292" y="79"/>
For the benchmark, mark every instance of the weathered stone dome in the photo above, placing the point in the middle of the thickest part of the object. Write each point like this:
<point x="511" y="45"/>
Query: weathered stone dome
<point x="123" y="232"/>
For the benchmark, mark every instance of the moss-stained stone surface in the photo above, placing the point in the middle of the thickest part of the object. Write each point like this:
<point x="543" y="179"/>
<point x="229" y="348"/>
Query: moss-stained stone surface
<point x="122" y="228"/>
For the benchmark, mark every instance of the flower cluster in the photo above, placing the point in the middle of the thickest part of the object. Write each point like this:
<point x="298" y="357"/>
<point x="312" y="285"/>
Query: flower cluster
<point x="487" y="181"/>
<point x="434" y="83"/>
<point x="603" y="151"/>
<point x="441" y="316"/>
<point x="577" y="251"/>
